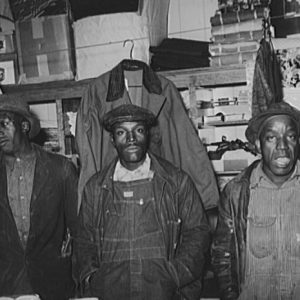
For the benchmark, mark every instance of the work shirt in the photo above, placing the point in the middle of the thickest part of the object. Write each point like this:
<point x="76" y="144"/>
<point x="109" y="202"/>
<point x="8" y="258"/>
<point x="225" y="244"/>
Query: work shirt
<point x="273" y="239"/>
<point x="125" y="175"/>
<point x="20" y="175"/>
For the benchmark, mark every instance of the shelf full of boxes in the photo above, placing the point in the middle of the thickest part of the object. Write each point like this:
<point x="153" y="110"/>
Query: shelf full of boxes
<point x="52" y="58"/>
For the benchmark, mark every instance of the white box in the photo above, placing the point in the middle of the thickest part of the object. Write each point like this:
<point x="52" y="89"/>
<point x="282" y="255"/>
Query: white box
<point x="99" y="40"/>
<point x="8" y="72"/>
<point x="190" y="19"/>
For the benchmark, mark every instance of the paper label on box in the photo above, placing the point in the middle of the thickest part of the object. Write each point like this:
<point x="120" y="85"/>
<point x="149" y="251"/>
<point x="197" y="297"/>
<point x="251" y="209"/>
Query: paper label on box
<point x="37" y="28"/>
<point x="42" y="62"/>
<point x="7" y="72"/>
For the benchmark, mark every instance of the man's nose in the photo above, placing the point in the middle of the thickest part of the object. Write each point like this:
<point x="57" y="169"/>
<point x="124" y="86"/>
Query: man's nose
<point x="282" y="143"/>
<point x="130" y="136"/>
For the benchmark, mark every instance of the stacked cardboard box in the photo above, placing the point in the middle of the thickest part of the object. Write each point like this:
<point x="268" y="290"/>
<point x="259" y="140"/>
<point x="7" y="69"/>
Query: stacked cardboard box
<point x="44" y="49"/>
<point x="8" y="58"/>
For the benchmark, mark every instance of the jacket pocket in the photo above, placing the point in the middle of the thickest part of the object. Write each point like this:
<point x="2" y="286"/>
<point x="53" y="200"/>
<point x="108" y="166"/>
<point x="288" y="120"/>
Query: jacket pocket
<point x="262" y="235"/>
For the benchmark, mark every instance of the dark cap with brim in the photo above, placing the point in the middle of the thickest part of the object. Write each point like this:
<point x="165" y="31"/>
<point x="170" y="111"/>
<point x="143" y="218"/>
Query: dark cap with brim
<point x="256" y="123"/>
<point x="18" y="106"/>
<point x="128" y="113"/>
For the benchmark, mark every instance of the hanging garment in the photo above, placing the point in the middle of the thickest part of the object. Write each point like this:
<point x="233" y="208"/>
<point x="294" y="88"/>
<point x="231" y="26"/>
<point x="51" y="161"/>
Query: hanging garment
<point x="174" y="138"/>
<point x="267" y="86"/>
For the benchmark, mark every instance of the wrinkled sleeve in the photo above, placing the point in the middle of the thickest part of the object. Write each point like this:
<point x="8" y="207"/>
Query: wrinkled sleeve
<point x="183" y="147"/>
<point x="87" y="240"/>
<point x="70" y="195"/>
<point x="223" y="249"/>
<point x="191" y="253"/>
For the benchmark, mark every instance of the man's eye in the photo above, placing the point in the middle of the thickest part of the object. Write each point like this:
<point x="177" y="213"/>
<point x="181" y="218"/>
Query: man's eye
<point x="4" y="124"/>
<point x="271" y="138"/>
<point x="120" y="132"/>
<point x="140" y="130"/>
<point x="292" y="137"/>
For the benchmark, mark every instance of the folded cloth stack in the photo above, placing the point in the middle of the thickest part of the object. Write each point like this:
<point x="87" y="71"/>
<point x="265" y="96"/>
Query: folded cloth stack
<point x="235" y="34"/>
<point x="173" y="54"/>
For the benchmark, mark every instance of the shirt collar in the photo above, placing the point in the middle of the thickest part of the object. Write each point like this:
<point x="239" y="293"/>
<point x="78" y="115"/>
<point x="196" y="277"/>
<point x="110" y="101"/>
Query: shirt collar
<point x="258" y="175"/>
<point x="142" y="172"/>
<point x="10" y="160"/>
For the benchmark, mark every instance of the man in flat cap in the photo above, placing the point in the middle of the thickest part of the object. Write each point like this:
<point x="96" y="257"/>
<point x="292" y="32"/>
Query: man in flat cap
<point x="38" y="203"/>
<point x="143" y="233"/>
<point x="256" y="246"/>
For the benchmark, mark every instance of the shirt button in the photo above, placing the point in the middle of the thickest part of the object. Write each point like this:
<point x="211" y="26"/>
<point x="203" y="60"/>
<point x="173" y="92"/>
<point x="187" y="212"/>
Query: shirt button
<point x="18" y="159"/>
<point x="21" y="178"/>
<point x="22" y="197"/>
<point x="23" y="217"/>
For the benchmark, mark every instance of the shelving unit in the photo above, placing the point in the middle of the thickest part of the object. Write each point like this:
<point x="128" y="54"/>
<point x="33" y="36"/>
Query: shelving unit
<point x="190" y="79"/>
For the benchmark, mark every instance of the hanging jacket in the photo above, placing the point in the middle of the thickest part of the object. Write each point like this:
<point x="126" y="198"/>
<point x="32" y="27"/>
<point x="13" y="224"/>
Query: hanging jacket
<point x="174" y="138"/>
<point x="267" y="86"/>
<point x="180" y="214"/>
<point x="52" y="210"/>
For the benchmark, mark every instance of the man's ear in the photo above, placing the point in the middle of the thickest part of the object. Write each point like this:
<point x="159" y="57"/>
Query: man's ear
<point x="112" y="138"/>
<point x="25" y="126"/>
<point x="257" y="145"/>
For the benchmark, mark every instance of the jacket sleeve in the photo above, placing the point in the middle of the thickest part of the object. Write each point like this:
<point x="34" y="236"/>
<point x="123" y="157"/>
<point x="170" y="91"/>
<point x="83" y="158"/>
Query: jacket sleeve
<point x="223" y="253"/>
<point x="183" y="147"/>
<point x="87" y="240"/>
<point x="70" y="195"/>
<point x="194" y="235"/>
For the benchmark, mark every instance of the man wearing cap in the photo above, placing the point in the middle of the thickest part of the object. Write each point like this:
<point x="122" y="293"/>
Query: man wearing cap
<point x="256" y="246"/>
<point x="143" y="233"/>
<point x="38" y="203"/>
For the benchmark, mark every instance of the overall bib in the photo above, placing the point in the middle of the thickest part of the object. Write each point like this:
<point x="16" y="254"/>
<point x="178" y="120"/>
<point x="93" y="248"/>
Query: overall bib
<point x="134" y="264"/>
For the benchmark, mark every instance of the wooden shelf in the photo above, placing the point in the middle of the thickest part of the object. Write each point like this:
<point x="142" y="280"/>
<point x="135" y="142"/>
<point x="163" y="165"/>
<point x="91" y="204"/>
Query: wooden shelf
<point x="47" y="91"/>
<point x="205" y="77"/>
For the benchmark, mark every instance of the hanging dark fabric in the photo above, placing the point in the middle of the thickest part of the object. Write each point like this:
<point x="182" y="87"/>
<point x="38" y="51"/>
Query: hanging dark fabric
<point x="267" y="79"/>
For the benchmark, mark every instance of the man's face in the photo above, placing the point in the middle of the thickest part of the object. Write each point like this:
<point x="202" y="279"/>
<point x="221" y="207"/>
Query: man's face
<point x="10" y="132"/>
<point x="279" y="145"/>
<point x="131" y="141"/>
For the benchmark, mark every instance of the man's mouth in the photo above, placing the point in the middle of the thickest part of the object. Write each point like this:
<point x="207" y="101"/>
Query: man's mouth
<point x="282" y="162"/>
<point x="132" y="148"/>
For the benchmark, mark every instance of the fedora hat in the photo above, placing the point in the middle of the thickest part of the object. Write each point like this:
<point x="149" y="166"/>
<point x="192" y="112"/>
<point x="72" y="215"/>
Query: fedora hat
<point x="256" y="123"/>
<point x="128" y="113"/>
<point x="16" y="105"/>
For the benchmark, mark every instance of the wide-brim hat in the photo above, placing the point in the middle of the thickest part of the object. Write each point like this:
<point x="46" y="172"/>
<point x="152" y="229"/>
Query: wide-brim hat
<point x="128" y="113"/>
<point x="16" y="105"/>
<point x="255" y="124"/>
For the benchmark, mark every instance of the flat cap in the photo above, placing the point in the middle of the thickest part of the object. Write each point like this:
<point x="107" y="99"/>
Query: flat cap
<point x="128" y="113"/>
<point x="17" y="105"/>
<point x="256" y="123"/>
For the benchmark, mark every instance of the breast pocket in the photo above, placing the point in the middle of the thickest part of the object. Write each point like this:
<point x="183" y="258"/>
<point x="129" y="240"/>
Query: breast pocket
<point x="115" y="221"/>
<point x="262" y="235"/>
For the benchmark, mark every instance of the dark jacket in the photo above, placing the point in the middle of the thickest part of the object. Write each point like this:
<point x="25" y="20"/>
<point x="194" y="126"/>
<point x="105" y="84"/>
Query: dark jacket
<point x="228" y="248"/>
<point x="186" y="242"/>
<point x="174" y="139"/>
<point x="52" y="209"/>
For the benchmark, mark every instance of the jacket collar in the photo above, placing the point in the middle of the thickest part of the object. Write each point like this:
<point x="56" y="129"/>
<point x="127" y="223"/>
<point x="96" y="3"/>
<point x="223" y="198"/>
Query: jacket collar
<point x="117" y="83"/>
<point x="159" y="171"/>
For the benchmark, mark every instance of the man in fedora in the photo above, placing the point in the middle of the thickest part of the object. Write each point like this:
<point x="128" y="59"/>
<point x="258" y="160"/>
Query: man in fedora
<point x="256" y="246"/>
<point x="38" y="202"/>
<point x="143" y="233"/>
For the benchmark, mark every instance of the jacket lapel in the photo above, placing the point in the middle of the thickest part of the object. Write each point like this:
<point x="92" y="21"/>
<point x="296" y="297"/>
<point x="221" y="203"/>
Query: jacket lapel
<point x="40" y="177"/>
<point x="3" y="187"/>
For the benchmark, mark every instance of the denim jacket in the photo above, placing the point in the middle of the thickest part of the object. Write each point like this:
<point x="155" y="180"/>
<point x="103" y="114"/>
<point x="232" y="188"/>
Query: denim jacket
<point x="187" y="241"/>
<point x="228" y="248"/>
